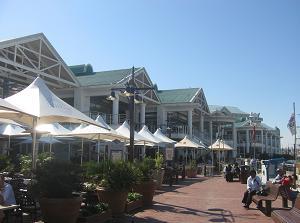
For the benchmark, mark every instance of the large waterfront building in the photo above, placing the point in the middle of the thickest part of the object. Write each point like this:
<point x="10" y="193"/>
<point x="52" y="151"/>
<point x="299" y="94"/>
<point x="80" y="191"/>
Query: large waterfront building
<point x="178" y="112"/>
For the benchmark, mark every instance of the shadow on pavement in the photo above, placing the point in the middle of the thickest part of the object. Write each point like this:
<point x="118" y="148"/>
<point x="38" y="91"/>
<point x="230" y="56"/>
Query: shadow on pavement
<point x="181" y="183"/>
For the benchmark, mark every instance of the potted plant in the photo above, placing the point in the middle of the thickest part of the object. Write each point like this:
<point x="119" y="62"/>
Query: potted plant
<point x="114" y="180"/>
<point x="134" y="201"/>
<point x="54" y="183"/>
<point x="191" y="169"/>
<point x="146" y="184"/>
<point x="159" y="171"/>
<point x="94" y="213"/>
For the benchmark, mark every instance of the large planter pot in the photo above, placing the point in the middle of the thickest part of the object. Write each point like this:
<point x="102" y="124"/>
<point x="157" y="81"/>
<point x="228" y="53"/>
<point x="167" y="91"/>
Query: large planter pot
<point x="116" y="200"/>
<point x="133" y="205"/>
<point x="96" y="218"/>
<point x="146" y="189"/>
<point x="191" y="173"/>
<point x="60" y="210"/>
<point x="159" y="177"/>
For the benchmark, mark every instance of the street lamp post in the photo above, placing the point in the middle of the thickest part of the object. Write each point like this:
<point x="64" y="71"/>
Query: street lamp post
<point x="130" y="90"/>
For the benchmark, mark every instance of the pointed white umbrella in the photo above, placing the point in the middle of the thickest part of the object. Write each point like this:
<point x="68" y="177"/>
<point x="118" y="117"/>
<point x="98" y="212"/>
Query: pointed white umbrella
<point x="186" y="142"/>
<point x="124" y="130"/>
<point x="220" y="145"/>
<point x="139" y="140"/>
<point x="148" y="135"/>
<point x="158" y="134"/>
<point x="11" y="130"/>
<point x="93" y="132"/>
<point x="43" y="139"/>
<point x="44" y="107"/>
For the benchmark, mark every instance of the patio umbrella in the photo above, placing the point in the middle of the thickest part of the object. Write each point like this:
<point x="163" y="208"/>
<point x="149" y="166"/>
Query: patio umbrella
<point x="186" y="142"/>
<point x="158" y="134"/>
<point x="148" y="135"/>
<point x="43" y="107"/>
<point x="93" y="132"/>
<point x="11" y="130"/>
<point x="220" y="145"/>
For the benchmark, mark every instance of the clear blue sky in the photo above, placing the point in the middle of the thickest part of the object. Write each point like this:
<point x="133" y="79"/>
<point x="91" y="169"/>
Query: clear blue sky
<point x="242" y="53"/>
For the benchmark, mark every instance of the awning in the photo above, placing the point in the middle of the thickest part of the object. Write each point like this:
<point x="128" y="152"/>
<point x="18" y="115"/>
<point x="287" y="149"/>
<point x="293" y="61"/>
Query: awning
<point x="220" y="145"/>
<point x="186" y="142"/>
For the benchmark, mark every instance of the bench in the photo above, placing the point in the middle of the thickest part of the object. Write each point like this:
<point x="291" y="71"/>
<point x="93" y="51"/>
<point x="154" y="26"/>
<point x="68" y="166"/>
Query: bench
<point x="273" y="192"/>
<point x="288" y="216"/>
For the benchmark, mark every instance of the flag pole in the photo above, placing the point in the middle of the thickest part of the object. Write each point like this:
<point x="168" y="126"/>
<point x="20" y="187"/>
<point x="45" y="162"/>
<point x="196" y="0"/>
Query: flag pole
<point x="295" y="139"/>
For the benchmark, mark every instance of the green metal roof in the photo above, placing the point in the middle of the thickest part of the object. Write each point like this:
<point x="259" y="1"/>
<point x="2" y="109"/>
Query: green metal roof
<point x="87" y="77"/>
<point x="246" y="124"/>
<point x="232" y="109"/>
<point x="177" y="95"/>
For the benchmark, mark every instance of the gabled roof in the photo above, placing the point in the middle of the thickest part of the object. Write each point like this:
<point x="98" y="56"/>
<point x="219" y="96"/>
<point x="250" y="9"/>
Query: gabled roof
<point x="31" y="56"/>
<point x="231" y="109"/>
<point x="247" y="124"/>
<point x="177" y="95"/>
<point x="87" y="77"/>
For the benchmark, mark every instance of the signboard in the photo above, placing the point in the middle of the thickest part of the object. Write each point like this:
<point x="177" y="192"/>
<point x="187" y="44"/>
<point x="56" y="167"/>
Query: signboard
<point x="169" y="153"/>
<point x="116" y="155"/>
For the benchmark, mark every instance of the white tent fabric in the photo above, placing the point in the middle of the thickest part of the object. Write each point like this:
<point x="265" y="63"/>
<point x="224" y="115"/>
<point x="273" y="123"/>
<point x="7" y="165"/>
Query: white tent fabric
<point x="37" y="100"/>
<point x="11" y="130"/>
<point x="220" y="145"/>
<point x="101" y="121"/>
<point x="158" y="134"/>
<point x="148" y="135"/>
<point x="54" y="129"/>
<point x="186" y="142"/>
<point x="43" y="107"/>
<point x="96" y="133"/>
<point x="8" y="121"/>
<point x="124" y="130"/>
<point x="43" y="139"/>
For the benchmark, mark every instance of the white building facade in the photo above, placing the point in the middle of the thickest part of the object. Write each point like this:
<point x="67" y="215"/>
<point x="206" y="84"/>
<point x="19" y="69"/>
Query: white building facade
<point x="178" y="112"/>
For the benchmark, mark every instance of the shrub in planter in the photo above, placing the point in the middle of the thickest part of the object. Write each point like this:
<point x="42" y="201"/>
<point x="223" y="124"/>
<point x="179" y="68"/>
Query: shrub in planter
<point x="159" y="171"/>
<point x="26" y="162"/>
<point x="114" y="180"/>
<point x="146" y="184"/>
<point x="94" y="213"/>
<point x="134" y="201"/>
<point x="54" y="183"/>
<point x="191" y="169"/>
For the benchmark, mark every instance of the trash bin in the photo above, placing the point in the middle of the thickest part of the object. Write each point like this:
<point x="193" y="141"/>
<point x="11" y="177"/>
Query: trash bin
<point x="244" y="174"/>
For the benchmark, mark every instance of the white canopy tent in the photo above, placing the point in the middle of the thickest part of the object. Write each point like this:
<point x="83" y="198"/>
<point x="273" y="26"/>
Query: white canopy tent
<point x="150" y="137"/>
<point x="93" y="132"/>
<point x="158" y="134"/>
<point x="11" y="130"/>
<point x="219" y="145"/>
<point x="124" y="130"/>
<point x="43" y="106"/>
<point x="186" y="142"/>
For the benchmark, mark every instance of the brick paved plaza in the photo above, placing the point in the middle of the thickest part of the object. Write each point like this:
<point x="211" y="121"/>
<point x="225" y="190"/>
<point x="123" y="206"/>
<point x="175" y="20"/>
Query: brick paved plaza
<point x="201" y="200"/>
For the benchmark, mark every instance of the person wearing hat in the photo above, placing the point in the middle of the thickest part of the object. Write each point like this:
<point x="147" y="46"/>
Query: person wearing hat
<point x="279" y="177"/>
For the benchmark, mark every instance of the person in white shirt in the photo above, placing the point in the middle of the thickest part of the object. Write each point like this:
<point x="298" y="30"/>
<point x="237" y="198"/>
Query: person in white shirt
<point x="253" y="185"/>
<point x="7" y="192"/>
<point x="279" y="177"/>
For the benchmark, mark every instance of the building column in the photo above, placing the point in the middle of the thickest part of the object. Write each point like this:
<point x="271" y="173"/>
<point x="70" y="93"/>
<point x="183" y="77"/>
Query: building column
<point x="81" y="102"/>
<point x="234" y="137"/>
<point x="190" y="122"/>
<point x="142" y="113"/>
<point x="115" y="110"/>
<point x="247" y="142"/>
<point x="202" y="123"/>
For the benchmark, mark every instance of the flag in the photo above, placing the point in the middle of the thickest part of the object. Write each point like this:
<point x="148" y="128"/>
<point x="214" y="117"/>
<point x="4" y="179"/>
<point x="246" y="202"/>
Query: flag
<point x="292" y="124"/>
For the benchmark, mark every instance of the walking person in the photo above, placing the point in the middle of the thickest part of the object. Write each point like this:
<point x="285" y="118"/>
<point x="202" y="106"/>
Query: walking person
<point x="253" y="185"/>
